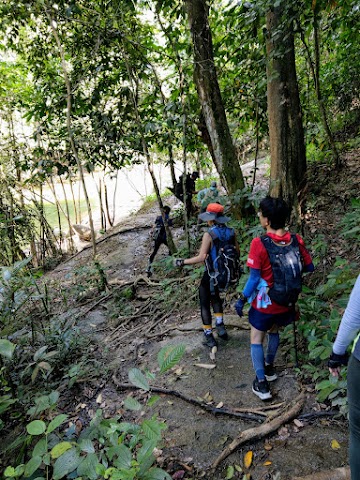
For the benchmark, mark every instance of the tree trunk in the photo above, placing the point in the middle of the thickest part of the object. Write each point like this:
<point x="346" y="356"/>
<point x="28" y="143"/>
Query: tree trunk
<point x="319" y="93"/>
<point x="287" y="149"/>
<point x="170" y="241"/>
<point x="223" y="150"/>
<point x="69" y="129"/>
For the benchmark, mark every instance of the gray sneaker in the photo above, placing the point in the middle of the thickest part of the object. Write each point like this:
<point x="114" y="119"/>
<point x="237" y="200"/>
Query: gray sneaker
<point x="221" y="331"/>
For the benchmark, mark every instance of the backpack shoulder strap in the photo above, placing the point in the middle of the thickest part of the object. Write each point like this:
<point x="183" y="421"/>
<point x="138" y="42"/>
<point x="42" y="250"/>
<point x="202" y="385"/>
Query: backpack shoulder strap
<point x="295" y="240"/>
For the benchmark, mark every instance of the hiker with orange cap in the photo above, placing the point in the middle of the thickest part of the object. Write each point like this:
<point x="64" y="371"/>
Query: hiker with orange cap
<point x="218" y="237"/>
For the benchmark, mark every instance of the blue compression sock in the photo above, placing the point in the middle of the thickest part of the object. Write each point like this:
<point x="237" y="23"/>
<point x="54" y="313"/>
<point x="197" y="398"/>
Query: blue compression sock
<point x="257" y="356"/>
<point x="272" y="347"/>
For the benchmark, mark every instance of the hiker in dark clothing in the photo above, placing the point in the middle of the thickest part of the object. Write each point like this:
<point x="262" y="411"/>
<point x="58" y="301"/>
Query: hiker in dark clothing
<point x="266" y="315"/>
<point x="190" y="190"/>
<point x="159" y="236"/>
<point x="208" y="296"/>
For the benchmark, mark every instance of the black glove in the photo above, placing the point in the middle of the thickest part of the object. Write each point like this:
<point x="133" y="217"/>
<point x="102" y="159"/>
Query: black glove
<point x="178" y="262"/>
<point x="336" y="361"/>
<point x="239" y="305"/>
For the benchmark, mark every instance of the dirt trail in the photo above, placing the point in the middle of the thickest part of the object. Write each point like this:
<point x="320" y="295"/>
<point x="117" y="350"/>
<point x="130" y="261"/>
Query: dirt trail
<point x="195" y="437"/>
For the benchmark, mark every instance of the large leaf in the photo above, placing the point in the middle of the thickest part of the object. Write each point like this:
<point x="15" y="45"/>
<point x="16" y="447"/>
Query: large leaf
<point x="124" y="457"/>
<point x="168" y="357"/>
<point x="40" y="448"/>
<point x="152" y="429"/>
<point x="56" y="422"/>
<point x="87" y="467"/>
<point x="132" y="404"/>
<point x="87" y="446"/>
<point x="37" y="427"/>
<point x="65" y="464"/>
<point x="6" y="348"/>
<point x="138" y="379"/>
<point x="32" y="466"/>
<point x="59" y="449"/>
<point x="156" y="474"/>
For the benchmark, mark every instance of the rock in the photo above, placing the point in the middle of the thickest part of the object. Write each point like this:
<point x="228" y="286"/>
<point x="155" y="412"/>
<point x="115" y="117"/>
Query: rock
<point x="83" y="232"/>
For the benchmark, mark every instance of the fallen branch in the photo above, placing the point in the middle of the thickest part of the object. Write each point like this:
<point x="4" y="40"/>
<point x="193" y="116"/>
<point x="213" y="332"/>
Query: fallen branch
<point x="314" y="415"/>
<point x="342" y="473"/>
<point x="261" y="431"/>
<point x="256" y="417"/>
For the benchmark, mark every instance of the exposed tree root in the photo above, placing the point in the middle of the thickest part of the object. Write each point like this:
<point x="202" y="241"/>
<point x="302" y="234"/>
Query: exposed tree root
<point x="249" y="415"/>
<point x="261" y="431"/>
<point x="342" y="473"/>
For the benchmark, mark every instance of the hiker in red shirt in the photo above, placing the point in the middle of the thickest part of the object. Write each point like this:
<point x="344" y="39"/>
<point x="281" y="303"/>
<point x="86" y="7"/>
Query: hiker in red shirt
<point x="276" y="261"/>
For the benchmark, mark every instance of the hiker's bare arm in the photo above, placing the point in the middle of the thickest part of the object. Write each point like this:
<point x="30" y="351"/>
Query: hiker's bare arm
<point x="203" y="253"/>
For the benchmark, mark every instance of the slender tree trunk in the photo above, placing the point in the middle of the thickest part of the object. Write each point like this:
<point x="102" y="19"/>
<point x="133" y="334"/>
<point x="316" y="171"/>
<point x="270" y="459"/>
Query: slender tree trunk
<point x="170" y="241"/>
<point x="179" y="65"/>
<point x="164" y="101"/>
<point x="69" y="129"/>
<point x="184" y="176"/>
<point x="223" y="149"/>
<point x="77" y="219"/>
<point x="71" y="243"/>
<point x="319" y="93"/>
<point x="257" y="144"/>
<point x="287" y="149"/>
<point x="58" y="206"/>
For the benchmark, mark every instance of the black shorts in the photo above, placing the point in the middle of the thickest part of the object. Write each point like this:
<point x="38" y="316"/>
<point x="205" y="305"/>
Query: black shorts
<point x="264" y="321"/>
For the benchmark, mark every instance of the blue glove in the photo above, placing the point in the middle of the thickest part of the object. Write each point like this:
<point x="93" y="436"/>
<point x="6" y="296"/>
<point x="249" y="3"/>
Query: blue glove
<point x="239" y="305"/>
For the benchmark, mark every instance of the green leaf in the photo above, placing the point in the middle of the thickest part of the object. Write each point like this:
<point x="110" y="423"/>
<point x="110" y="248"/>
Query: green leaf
<point x="56" y="422"/>
<point x="32" y="466"/>
<point x="86" y="445"/>
<point x="230" y="472"/>
<point x="87" y="467"/>
<point x="65" y="464"/>
<point x="5" y="402"/>
<point x="168" y="357"/>
<point x="6" y="348"/>
<point x="152" y="400"/>
<point x="9" y="472"/>
<point x="40" y="448"/>
<point x="146" y="451"/>
<point x="37" y="427"/>
<point x="152" y="429"/>
<point x="39" y="352"/>
<point x="132" y="404"/>
<point x="137" y="378"/>
<point x="156" y="474"/>
<point x="60" y="449"/>
<point x="124" y="458"/>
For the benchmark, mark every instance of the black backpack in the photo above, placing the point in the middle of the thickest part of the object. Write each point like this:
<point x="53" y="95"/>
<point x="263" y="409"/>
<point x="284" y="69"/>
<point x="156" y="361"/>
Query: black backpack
<point x="223" y="264"/>
<point x="287" y="268"/>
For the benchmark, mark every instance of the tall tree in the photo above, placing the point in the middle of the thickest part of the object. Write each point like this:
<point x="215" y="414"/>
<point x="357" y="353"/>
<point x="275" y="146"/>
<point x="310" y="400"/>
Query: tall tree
<point x="223" y="148"/>
<point x="287" y="149"/>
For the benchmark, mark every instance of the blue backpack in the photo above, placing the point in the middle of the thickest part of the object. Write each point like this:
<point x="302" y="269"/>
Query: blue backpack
<point x="223" y="264"/>
<point x="287" y="269"/>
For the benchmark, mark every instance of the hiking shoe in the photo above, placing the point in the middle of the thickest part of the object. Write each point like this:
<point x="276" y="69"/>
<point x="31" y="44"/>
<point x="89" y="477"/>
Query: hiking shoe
<point x="261" y="389"/>
<point x="209" y="340"/>
<point x="221" y="331"/>
<point x="270" y="373"/>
